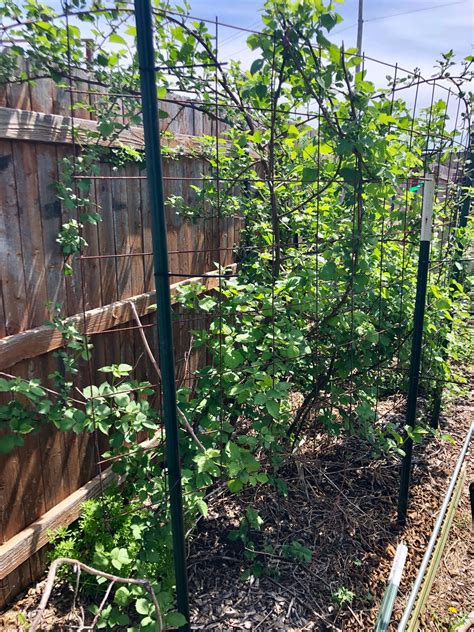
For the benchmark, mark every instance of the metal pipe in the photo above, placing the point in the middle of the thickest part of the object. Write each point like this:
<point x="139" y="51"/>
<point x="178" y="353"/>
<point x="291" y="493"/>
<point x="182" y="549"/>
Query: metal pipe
<point x="360" y="26"/>
<point x="434" y="536"/>
<point x="418" y="320"/>
<point x="143" y="18"/>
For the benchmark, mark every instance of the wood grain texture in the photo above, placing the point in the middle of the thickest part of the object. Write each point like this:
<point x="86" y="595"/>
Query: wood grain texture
<point x="50" y="212"/>
<point x="11" y="249"/>
<point x="36" y="535"/>
<point x="35" y="136"/>
<point x="24" y="544"/>
<point x="31" y="229"/>
<point x="35" y="342"/>
<point x="16" y="124"/>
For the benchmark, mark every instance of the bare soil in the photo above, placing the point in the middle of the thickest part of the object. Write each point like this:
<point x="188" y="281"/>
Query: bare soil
<point x="341" y="505"/>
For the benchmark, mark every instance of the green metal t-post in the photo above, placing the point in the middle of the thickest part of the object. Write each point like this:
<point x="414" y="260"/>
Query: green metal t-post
<point x="146" y="58"/>
<point x="414" y="378"/>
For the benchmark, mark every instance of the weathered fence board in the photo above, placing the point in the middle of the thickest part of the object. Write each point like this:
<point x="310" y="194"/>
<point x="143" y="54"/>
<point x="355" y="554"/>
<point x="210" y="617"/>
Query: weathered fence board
<point x="40" y="340"/>
<point x="38" y="533"/>
<point x="19" y="548"/>
<point x="16" y="124"/>
<point x="35" y="136"/>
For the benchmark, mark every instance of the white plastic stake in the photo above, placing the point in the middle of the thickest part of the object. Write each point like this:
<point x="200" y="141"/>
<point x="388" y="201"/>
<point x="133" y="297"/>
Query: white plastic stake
<point x="388" y="601"/>
<point x="398" y="564"/>
<point x="427" y="214"/>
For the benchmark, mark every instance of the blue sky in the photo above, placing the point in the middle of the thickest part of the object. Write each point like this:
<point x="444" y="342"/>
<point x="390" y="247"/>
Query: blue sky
<point x="414" y="38"/>
<point x="411" y="33"/>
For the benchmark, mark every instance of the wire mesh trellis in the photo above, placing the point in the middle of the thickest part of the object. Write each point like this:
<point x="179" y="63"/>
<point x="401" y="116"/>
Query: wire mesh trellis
<point x="303" y="252"/>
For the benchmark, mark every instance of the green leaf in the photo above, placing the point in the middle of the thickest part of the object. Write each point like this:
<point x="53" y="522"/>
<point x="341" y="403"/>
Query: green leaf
<point x="119" y="557"/>
<point x="448" y="438"/>
<point x="328" y="271"/>
<point x="328" y="20"/>
<point x="202" y="506"/>
<point x="323" y="41"/>
<point x="261" y="90"/>
<point x="235" y="485"/>
<point x="142" y="606"/>
<point x="121" y="619"/>
<point x="147" y="624"/>
<point x="122" y="596"/>
<point x="344" y="147"/>
<point x="256" y="66"/>
<point x="175" y="619"/>
<point x="5" y="385"/>
<point x="260" y="399"/>
<point x="292" y="351"/>
<point x="123" y="556"/>
<point x="310" y="174"/>
<point x="91" y="391"/>
<point x="207" y="303"/>
<point x="386" y="118"/>
<point x="44" y="407"/>
<point x="254" y="40"/>
<point x="105" y="369"/>
<point x="8" y="443"/>
<point x="273" y="408"/>
<point x="233" y="358"/>
<point x="115" y="38"/>
<point x="350" y="175"/>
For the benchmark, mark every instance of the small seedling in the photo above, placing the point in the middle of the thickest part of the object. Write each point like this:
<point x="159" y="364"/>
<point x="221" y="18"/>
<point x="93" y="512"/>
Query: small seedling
<point x="343" y="595"/>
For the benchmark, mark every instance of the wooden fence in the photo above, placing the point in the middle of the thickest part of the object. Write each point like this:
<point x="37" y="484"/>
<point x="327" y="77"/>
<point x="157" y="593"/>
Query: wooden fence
<point x="43" y="482"/>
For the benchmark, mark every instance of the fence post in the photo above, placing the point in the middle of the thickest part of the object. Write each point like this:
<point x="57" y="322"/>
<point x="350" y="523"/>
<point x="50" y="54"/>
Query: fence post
<point x="146" y="58"/>
<point x="468" y="181"/>
<point x="418" y="320"/>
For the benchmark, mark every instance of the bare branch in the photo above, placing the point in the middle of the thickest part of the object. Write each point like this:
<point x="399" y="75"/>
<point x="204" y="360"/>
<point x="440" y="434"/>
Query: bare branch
<point x="145" y="583"/>
<point x="154" y="362"/>
<point x="102" y="603"/>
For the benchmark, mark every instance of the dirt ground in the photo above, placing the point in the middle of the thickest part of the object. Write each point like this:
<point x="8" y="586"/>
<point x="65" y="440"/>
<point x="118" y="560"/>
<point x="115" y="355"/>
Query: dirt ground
<point x="341" y="506"/>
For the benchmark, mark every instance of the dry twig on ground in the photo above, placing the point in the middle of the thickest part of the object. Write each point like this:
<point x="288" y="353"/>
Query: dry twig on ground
<point x="79" y="566"/>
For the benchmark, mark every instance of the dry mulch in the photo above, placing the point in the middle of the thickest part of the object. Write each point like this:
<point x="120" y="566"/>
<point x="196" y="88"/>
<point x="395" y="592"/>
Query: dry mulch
<point x="341" y="505"/>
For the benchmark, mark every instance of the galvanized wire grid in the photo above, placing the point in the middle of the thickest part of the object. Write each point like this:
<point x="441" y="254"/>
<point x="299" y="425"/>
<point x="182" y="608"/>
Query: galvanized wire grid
<point x="404" y="233"/>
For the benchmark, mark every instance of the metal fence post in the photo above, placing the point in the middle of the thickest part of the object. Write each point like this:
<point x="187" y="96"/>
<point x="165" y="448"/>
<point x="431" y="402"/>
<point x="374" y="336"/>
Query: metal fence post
<point x="143" y="17"/>
<point x="418" y="320"/>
